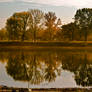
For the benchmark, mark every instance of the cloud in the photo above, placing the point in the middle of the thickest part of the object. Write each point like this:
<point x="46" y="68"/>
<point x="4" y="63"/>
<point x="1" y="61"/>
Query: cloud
<point x="76" y="3"/>
<point x="6" y="0"/>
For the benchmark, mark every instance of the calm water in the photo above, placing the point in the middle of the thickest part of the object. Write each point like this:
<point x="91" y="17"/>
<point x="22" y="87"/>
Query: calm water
<point x="46" y="69"/>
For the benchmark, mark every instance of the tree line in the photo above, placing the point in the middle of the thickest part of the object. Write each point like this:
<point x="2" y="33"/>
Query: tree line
<point x="35" y="25"/>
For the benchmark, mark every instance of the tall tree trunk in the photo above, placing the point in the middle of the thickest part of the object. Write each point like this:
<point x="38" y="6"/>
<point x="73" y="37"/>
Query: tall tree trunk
<point x="86" y="36"/>
<point x="34" y="36"/>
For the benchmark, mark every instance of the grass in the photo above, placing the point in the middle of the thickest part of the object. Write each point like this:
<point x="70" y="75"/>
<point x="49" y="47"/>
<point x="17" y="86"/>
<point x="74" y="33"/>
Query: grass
<point x="41" y="45"/>
<point x="46" y="90"/>
<point x="48" y="43"/>
<point x="11" y="89"/>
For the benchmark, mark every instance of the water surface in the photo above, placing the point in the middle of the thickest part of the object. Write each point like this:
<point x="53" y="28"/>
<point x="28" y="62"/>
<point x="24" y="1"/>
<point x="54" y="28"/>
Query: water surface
<point x="46" y="69"/>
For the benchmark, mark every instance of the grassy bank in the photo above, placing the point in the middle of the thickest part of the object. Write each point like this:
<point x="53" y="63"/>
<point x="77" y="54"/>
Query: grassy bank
<point x="10" y="89"/>
<point x="45" y="44"/>
<point x="71" y="45"/>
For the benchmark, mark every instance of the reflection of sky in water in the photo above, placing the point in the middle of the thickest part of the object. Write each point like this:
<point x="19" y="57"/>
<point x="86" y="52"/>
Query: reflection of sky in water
<point x="65" y="80"/>
<point x="7" y="80"/>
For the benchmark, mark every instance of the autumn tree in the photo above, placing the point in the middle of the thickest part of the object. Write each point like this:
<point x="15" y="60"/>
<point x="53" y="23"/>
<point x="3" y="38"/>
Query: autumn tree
<point x="51" y="23"/>
<point x="17" y="25"/>
<point x="24" y="19"/>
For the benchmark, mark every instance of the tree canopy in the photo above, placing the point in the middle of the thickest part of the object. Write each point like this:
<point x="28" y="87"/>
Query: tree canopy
<point x="35" y="25"/>
<point x="83" y="18"/>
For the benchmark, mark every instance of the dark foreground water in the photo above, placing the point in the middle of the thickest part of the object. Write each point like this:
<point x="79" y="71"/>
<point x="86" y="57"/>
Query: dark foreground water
<point x="46" y="69"/>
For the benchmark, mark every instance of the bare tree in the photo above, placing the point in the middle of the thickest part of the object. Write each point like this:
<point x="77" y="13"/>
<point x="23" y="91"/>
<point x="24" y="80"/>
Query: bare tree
<point x="36" y="21"/>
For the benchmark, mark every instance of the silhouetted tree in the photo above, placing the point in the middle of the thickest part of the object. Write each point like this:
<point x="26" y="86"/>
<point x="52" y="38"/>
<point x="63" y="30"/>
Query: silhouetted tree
<point x="83" y="18"/>
<point x="69" y="31"/>
<point x="13" y="28"/>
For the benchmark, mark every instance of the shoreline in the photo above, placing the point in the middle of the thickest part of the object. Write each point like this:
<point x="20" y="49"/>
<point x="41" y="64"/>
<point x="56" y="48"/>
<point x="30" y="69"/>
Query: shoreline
<point x="46" y="43"/>
<point x="72" y="45"/>
<point x="11" y="89"/>
<point x="46" y="48"/>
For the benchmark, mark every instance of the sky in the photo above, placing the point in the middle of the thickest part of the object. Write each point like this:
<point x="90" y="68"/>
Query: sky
<point x="76" y="3"/>
<point x="65" y="9"/>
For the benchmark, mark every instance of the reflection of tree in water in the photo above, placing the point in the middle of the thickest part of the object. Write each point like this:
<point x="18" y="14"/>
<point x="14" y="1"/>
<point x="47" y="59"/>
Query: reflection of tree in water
<point x="37" y="67"/>
<point x="83" y="75"/>
<point x="80" y="66"/>
<point x="16" y="67"/>
<point x="34" y="70"/>
<point x="31" y="67"/>
<point x="53" y="68"/>
<point x="3" y="57"/>
<point x="71" y="62"/>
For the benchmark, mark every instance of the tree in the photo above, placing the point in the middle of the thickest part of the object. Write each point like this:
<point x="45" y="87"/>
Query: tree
<point x="3" y="34"/>
<point x="13" y="28"/>
<point x="24" y="18"/>
<point x="83" y="18"/>
<point x="69" y="30"/>
<point x="51" y="24"/>
<point x="36" y="22"/>
<point x="17" y="25"/>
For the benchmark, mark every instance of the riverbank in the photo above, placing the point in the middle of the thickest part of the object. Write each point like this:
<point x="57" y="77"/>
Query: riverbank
<point x="11" y="89"/>
<point x="71" y="45"/>
<point x="48" y="44"/>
